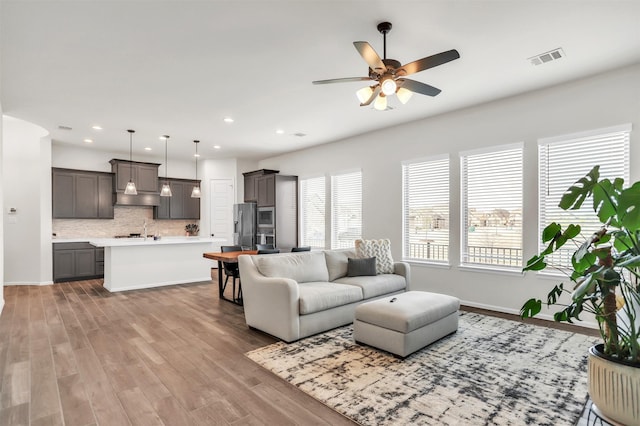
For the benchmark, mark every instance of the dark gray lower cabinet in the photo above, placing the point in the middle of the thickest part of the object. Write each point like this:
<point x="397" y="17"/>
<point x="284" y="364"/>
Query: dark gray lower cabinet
<point x="77" y="261"/>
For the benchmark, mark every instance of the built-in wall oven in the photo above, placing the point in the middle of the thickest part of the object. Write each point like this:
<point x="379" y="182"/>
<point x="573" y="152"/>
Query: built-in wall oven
<point x="266" y="217"/>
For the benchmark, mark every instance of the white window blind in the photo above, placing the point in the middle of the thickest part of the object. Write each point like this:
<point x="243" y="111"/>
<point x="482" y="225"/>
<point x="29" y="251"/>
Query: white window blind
<point x="425" y="189"/>
<point x="492" y="207"/>
<point x="312" y="212"/>
<point x="565" y="159"/>
<point x="346" y="209"/>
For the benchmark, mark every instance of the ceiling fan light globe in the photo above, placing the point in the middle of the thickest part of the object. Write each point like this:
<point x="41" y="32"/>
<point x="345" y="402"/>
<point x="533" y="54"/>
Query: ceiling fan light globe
<point x="389" y="86"/>
<point x="404" y="95"/>
<point x="381" y="103"/>
<point x="364" y="94"/>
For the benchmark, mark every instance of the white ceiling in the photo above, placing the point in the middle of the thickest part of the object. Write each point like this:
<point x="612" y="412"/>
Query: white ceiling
<point x="180" y="67"/>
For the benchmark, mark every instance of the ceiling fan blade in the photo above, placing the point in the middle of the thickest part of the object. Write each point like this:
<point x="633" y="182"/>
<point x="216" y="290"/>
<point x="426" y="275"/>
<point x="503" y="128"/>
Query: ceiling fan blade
<point x="341" y="80"/>
<point x="374" y="95"/>
<point x="418" y="87"/>
<point x="370" y="56"/>
<point x="428" y="62"/>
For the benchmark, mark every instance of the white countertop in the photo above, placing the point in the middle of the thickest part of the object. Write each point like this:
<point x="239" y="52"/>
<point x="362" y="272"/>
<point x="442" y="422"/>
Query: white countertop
<point x="134" y="242"/>
<point x="70" y="240"/>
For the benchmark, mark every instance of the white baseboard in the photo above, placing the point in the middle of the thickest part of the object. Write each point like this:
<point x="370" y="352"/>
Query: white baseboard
<point x="29" y="283"/>
<point x="546" y="317"/>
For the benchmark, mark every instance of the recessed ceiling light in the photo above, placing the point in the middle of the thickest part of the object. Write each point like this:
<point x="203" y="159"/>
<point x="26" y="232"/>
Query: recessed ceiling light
<point x="147" y="148"/>
<point x="216" y="147"/>
<point x="196" y="155"/>
<point x="96" y="127"/>
<point x="280" y="132"/>
<point x="228" y="120"/>
<point x="163" y="137"/>
<point x="88" y="141"/>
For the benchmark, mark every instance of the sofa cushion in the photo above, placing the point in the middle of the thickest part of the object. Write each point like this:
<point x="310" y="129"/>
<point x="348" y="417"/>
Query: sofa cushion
<point x="337" y="262"/>
<point x="380" y="249"/>
<point x="301" y="267"/>
<point x="361" y="267"/>
<point x="320" y="296"/>
<point x="376" y="285"/>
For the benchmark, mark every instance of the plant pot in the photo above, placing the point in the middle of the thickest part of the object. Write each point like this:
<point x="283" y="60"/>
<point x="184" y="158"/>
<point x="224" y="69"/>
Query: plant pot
<point x="614" y="387"/>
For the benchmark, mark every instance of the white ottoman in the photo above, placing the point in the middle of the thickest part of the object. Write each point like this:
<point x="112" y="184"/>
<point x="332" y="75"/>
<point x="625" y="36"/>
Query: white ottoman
<point x="412" y="321"/>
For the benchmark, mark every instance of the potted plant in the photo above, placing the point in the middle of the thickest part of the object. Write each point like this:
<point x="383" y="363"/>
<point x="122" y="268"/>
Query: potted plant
<point x="192" y="229"/>
<point x="604" y="275"/>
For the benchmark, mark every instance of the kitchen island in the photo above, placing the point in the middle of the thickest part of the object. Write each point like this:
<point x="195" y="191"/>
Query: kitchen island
<point x="136" y="263"/>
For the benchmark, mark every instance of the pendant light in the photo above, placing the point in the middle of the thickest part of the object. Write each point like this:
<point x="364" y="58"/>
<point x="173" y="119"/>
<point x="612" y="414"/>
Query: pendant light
<point x="130" y="189"/>
<point x="195" y="193"/>
<point x="166" y="189"/>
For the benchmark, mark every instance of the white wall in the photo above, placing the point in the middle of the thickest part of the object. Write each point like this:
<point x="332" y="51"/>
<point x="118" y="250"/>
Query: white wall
<point x="27" y="232"/>
<point x="600" y="101"/>
<point x="1" y="221"/>
<point x="72" y="157"/>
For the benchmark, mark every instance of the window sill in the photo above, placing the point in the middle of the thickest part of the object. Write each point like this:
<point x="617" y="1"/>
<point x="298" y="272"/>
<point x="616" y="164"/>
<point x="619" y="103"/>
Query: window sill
<point x="491" y="270"/>
<point x="427" y="264"/>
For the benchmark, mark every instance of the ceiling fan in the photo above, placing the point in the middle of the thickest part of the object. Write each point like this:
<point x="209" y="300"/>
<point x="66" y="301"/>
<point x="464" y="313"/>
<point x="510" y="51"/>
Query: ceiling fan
<point x="389" y="74"/>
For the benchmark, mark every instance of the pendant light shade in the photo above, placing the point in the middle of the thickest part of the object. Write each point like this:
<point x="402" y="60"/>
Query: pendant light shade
<point x="166" y="189"/>
<point x="130" y="189"/>
<point x="195" y="193"/>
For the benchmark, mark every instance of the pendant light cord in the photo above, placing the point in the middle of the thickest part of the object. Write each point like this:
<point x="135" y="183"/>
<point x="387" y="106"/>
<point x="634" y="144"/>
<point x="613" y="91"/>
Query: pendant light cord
<point x="131" y="154"/>
<point x="196" y="142"/>
<point x="166" y="158"/>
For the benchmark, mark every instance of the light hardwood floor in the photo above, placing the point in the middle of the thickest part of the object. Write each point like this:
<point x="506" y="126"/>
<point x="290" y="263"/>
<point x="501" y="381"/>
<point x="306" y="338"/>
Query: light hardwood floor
<point x="75" y="354"/>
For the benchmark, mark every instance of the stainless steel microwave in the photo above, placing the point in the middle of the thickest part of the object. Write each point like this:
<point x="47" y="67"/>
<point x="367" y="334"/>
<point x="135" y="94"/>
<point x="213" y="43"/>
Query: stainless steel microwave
<point x="266" y="217"/>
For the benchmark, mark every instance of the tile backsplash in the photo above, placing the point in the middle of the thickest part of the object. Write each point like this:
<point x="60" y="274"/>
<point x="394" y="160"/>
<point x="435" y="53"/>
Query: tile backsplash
<point x="127" y="220"/>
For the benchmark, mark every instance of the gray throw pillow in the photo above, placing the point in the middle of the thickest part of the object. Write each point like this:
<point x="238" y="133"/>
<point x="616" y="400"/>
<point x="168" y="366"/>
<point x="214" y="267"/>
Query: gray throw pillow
<point x="361" y="267"/>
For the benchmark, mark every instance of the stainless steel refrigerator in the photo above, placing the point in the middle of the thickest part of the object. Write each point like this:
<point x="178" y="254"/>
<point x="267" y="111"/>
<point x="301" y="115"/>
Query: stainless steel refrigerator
<point x="244" y="225"/>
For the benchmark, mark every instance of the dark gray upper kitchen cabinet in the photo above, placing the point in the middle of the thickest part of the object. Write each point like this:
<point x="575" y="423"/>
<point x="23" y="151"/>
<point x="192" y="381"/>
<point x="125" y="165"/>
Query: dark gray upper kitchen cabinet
<point x="82" y="194"/>
<point x="252" y="183"/>
<point x="74" y="261"/>
<point x="180" y="205"/>
<point x="266" y="190"/>
<point x="144" y="175"/>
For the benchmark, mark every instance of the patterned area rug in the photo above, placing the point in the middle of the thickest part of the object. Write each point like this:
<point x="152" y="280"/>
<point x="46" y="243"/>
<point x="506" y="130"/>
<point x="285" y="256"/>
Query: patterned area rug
<point x="492" y="371"/>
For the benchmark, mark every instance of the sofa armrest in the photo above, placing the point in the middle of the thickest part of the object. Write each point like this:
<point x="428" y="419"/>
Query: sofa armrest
<point x="404" y="269"/>
<point x="270" y="304"/>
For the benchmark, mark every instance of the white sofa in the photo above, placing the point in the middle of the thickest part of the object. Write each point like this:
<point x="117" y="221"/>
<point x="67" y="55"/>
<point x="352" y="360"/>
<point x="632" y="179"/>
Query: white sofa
<point x="295" y="295"/>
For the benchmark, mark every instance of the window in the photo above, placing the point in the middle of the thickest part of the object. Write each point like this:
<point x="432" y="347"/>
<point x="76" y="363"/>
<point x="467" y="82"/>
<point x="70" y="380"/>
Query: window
<point x="425" y="191"/>
<point x="312" y="212"/>
<point x="346" y="209"/>
<point x="492" y="206"/>
<point x="565" y="159"/>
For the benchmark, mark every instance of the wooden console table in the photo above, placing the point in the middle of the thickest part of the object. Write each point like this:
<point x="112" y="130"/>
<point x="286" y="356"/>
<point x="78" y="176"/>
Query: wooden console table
<point x="228" y="257"/>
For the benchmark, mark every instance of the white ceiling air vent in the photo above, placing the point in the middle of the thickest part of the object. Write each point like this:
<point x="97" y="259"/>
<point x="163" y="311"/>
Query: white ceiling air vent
<point x="300" y="135"/>
<point x="545" y="57"/>
<point x="61" y="127"/>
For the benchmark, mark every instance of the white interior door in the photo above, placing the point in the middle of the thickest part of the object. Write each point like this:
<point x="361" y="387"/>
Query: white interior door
<point x="222" y="199"/>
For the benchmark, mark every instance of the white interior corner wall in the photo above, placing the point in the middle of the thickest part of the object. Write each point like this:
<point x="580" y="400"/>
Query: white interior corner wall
<point x="83" y="158"/>
<point x="1" y="221"/>
<point x="603" y="100"/>
<point x="27" y="235"/>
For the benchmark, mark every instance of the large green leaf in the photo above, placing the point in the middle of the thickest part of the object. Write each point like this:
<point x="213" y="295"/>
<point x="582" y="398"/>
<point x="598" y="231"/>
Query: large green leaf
<point x="536" y="263"/>
<point x="629" y="208"/>
<point x="579" y="191"/>
<point x="555" y="294"/>
<point x="605" y="202"/>
<point x="550" y="232"/>
<point x="531" y="308"/>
